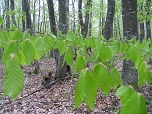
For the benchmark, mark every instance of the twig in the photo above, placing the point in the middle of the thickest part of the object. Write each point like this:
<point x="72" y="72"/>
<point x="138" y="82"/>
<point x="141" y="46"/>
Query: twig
<point x="51" y="83"/>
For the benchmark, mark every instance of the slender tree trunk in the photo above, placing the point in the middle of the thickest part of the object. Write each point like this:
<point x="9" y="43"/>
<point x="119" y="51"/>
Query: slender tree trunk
<point x="12" y="8"/>
<point x="34" y="8"/>
<point x="23" y="20"/>
<point x="87" y="16"/>
<point x="129" y="15"/>
<point x="63" y="27"/>
<point x="80" y="16"/>
<point x="39" y="16"/>
<point x="7" y="15"/>
<point x="73" y="9"/>
<point x="52" y="17"/>
<point x="28" y="15"/>
<point x="84" y="26"/>
<point x="148" y="30"/>
<point x="90" y="23"/>
<point x="108" y="30"/>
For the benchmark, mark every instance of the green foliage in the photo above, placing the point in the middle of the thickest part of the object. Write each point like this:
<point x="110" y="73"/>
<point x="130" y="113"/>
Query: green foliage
<point x="21" y="49"/>
<point x="1" y="21"/>
<point x="14" y="79"/>
<point x="132" y="102"/>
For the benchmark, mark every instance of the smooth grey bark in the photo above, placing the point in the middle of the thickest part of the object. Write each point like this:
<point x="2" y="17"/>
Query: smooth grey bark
<point x="108" y="30"/>
<point x="129" y="15"/>
<point x="12" y="7"/>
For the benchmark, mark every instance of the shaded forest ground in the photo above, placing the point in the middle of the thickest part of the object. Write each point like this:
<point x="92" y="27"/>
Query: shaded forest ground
<point x="58" y="99"/>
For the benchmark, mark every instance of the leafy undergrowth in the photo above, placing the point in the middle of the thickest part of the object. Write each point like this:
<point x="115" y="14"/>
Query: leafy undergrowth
<point x="59" y="98"/>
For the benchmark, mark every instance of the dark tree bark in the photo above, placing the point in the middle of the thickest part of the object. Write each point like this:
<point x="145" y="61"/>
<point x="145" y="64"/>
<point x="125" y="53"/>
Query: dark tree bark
<point x="63" y="27"/>
<point x="39" y="15"/>
<point x="87" y="16"/>
<point x="80" y="16"/>
<point x="129" y="15"/>
<point x="12" y="8"/>
<point x="7" y="16"/>
<point x="100" y="19"/>
<point x="28" y="15"/>
<point x="52" y="17"/>
<point x="90" y="23"/>
<point x="141" y="24"/>
<point x="108" y="30"/>
<point x="73" y="9"/>
<point x="23" y="20"/>
<point x="148" y="30"/>
<point x="34" y="8"/>
<point x="84" y="25"/>
<point x="142" y="33"/>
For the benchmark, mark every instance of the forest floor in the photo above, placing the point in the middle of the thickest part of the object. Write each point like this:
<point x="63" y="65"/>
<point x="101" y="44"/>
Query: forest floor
<point x="59" y="98"/>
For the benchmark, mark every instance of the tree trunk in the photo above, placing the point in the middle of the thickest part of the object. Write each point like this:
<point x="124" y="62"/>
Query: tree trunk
<point x="80" y="16"/>
<point x="148" y="30"/>
<point x="129" y="15"/>
<point x="12" y="8"/>
<point x="87" y="15"/>
<point x="7" y="15"/>
<point x="63" y="26"/>
<point x="39" y="16"/>
<point x="28" y="16"/>
<point x="108" y="30"/>
<point x="23" y="20"/>
<point x="73" y="9"/>
<point x="34" y="6"/>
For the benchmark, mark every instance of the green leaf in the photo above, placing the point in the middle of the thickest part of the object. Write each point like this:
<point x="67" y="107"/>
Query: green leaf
<point x="80" y="63"/>
<point x="70" y="36"/>
<point x="69" y="56"/>
<point x="105" y="52"/>
<point x="62" y="47"/>
<point x="80" y="89"/>
<point x="116" y="78"/>
<point x="115" y="48"/>
<point x="144" y="77"/>
<point x="49" y="42"/>
<point x="134" y="105"/>
<point x="11" y="48"/>
<point x="132" y="53"/>
<point x="91" y="89"/>
<point x="1" y="21"/>
<point x="22" y="59"/>
<point x="124" y="92"/>
<point x="14" y="80"/>
<point x="17" y="35"/>
<point x="40" y="46"/>
<point x="104" y="81"/>
<point x="145" y="45"/>
<point x="97" y="72"/>
<point x="28" y="50"/>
